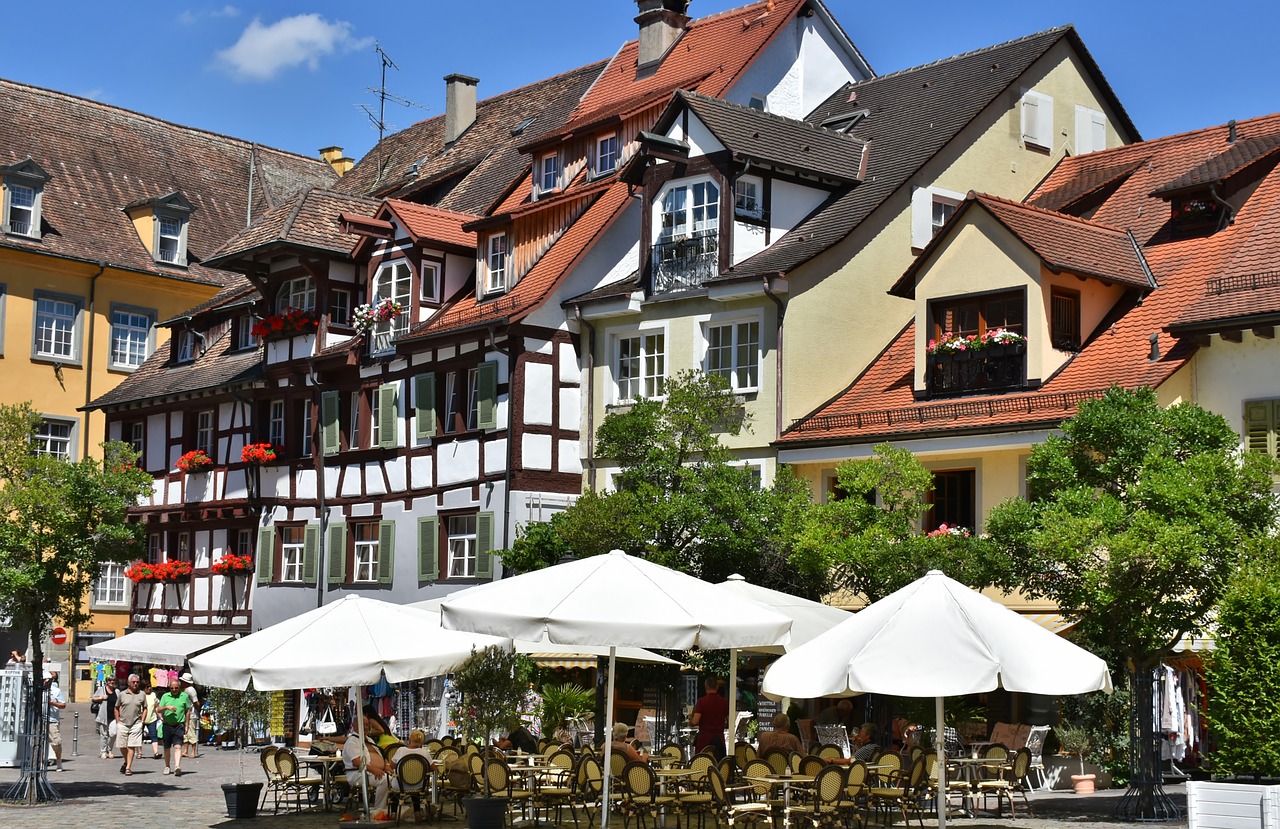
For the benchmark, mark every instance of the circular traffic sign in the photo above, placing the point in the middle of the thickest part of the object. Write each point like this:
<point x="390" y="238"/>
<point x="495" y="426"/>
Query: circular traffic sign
<point x="58" y="636"/>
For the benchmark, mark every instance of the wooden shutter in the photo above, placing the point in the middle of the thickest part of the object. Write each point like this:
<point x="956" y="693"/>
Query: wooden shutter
<point x="1260" y="426"/>
<point x="921" y="216"/>
<point x="1037" y="119"/>
<point x="387" y="416"/>
<point x="424" y="401"/>
<point x="330" y="428"/>
<point x="386" y="551"/>
<point x="487" y="395"/>
<point x="337" y="552"/>
<point x="1098" y="130"/>
<point x="484" y="545"/>
<point x="264" y="567"/>
<point x="310" y="553"/>
<point x="428" y="549"/>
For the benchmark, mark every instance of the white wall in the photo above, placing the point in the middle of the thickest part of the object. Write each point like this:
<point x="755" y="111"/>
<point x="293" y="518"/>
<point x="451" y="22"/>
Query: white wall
<point x="799" y="70"/>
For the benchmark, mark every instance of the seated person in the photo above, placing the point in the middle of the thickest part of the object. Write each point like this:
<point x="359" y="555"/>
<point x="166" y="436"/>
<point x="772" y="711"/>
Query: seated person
<point x="416" y="746"/>
<point x="356" y="756"/>
<point x="380" y="733"/>
<point x="865" y="745"/>
<point x="780" y="737"/>
<point x="621" y="746"/>
<point x="519" y="740"/>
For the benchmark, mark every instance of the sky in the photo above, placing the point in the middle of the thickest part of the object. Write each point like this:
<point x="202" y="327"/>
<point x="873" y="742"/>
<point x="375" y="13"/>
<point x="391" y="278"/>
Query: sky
<point x="299" y="74"/>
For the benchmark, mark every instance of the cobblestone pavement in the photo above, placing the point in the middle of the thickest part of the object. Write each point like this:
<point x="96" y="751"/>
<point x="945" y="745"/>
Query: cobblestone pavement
<point x="95" y="791"/>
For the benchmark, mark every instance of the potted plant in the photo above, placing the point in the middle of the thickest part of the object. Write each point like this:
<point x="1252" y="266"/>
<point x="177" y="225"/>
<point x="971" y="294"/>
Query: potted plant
<point x="197" y="460"/>
<point x="492" y="683"/>
<point x="1075" y="739"/>
<point x="259" y="454"/>
<point x="562" y="704"/>
<point x="246" y="712"/>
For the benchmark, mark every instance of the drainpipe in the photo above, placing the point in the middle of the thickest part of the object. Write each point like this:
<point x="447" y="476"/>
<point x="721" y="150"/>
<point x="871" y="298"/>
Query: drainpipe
<point x="322" y="507"/>
<point x="777" y="358"/>
<point x="591" y="395"/>
<point x="88" y="364"/>
<point x="511" y="433"/>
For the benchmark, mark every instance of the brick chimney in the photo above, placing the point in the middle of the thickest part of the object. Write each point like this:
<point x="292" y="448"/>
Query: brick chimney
<point x="335" y="159"/>
<point x="459" y="105"/>
<point x="661" y="22"/>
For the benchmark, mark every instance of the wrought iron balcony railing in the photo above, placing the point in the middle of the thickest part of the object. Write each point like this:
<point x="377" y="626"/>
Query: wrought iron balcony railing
<point x="995" y="368"/>
<point x="683" y="264"/>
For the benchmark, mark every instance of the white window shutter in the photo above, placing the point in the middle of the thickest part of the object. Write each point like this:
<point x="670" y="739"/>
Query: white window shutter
<point x="1037" y="119"/>
<point x="1098" y="129"/>
<point x="1091" y="130"/>
<point x="921" y="216"/>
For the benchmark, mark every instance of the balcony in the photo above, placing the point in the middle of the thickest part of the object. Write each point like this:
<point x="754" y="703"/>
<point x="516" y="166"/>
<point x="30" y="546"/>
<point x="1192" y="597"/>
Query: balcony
<point x="684" y="263"/>
<point x="994" y="368"/>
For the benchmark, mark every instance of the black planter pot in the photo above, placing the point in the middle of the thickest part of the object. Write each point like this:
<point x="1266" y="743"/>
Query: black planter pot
<point x="242" y="799"/>
<point x="485" y="812"/>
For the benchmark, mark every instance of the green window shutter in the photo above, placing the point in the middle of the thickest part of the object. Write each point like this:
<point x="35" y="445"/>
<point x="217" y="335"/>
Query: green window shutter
<point x="484" y="545"/>
<point x="310" y="553"/>
<point x="428" y="549"/>
<point x="337" y="552"/>
<point x="386" y="551"/>
<point x="330" y="428"/>
<point x="264" y="566"/>
<point x="1260" y="426"/>
<point x="387" y="416"/>
<point x="424" y="401"/>
<point x="487" y="393"/>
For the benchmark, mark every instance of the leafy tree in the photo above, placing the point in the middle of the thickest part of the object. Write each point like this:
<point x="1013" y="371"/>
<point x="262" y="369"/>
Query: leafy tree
<point x="869" y="537"/>
<point x="1138" y="516"/>
<point x="493" y="683"/>
<point x="1244" y="670"/>
<point x="679" y="498"/>
<point x="59" y="522"/>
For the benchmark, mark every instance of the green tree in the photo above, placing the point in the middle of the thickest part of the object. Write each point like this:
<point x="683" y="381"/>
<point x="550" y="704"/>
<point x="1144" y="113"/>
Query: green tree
<point x="1244" y="670"/>
<point x="679" y="497"/>
<point x="1138" y="516"/>
<point x="59" y="522"/>
<point x="869" y="537"/>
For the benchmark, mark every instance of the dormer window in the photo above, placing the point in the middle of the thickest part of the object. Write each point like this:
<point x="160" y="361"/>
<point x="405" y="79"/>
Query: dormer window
<point x="606" y="154"/>
<point x="687" y="248"/>
<point x="296" y="293"/>
<point x="1196" y="213"/>
<point x="23" y="193"/>
<point x="162" y="225"/>
<point x="977" y="343"/>
<point x="169" y="239"/>
<point x="495" y="279"/>
<point x="549" y="172"/>
<point x="748" y="199"/>
<point x="186" y="346"/>
<point x="393" y="281"/>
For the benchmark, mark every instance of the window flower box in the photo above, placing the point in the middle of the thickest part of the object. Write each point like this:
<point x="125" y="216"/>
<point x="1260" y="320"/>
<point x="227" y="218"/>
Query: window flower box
<point x="197" y="460"/>
<point x="365" y="317"/>
<point x="290" y="323"/>
<point x="141" y="572"/>
<point x="233" y="565"/>
<point x="259" y="454"/>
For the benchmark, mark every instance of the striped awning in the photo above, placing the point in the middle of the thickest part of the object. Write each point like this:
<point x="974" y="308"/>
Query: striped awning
<point x="1052" y="622"/>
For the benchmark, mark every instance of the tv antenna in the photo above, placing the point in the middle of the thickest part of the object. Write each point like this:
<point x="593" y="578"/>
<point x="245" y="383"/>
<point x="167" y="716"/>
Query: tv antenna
<point x="380" y="120"/>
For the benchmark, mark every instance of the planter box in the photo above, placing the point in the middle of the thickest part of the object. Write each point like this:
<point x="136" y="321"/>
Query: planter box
<point x="1222" y="805"/>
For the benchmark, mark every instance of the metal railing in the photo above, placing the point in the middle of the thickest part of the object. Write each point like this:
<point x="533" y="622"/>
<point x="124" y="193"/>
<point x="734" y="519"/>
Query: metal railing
<point x="684" y="263"/>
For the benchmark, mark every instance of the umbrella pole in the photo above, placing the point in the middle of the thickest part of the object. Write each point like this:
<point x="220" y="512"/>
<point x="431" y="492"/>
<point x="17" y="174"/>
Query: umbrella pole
<point x="608" y="739"/>
<point x="940" y="746"/>
<point x="364" y="766"/>
<point x="733" y="702"/>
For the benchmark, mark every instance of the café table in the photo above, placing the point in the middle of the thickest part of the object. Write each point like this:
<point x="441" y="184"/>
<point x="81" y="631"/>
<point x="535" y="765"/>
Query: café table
<point x="663" y="776"/>
<point x="325" y="762"/>
<point x="968" y="768"/>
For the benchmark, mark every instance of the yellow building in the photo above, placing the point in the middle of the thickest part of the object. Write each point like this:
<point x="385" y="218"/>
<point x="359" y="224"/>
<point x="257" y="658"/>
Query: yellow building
<point x="107" y="215"/>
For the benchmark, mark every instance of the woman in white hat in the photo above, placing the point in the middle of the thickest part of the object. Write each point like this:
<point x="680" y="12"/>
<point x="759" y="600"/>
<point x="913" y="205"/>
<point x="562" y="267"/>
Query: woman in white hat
<point x="191" y="738"/>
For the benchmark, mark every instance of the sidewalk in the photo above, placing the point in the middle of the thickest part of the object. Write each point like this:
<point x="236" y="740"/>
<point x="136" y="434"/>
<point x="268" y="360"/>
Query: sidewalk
<point x="94" y="790"/>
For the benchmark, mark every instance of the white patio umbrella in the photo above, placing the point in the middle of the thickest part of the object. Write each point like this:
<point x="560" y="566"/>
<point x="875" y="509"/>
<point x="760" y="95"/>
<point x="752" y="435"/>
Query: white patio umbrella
<point x="616" y="600"/>
<point x="936" y="638"/>
<point x="808" y="619"/>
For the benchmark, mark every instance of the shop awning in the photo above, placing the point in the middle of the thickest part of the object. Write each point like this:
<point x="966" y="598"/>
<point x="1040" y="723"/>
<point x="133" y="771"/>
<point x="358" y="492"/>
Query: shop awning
<point x="1052" y="622"/>
<point x="549" y="655"/>
<point x="156" y="647"/>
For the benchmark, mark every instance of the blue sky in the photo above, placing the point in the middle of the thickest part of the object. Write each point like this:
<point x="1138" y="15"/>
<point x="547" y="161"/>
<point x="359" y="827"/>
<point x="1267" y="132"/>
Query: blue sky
<point x="294" y="74"/>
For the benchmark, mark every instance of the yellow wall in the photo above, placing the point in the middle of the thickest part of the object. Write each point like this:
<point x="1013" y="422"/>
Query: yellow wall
<point x="144" y="224"/>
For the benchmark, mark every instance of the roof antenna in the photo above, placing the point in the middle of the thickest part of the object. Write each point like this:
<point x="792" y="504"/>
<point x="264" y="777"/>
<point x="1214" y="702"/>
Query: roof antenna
<point x="380" y="120"/>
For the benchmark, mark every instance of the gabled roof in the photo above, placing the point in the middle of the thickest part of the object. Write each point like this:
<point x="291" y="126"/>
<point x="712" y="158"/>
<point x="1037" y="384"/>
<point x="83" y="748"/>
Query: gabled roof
<point x="1064" y="244"/>
<point x="432" y="223"/>
<point x="1233" y="303"/>
<point x="1222" y="166"/>
<point x="911" y="116"/>
<point x="879" y="404"/>
<point x="306" y="222"/>
<point x="101" y="158"/>
<point x="773" y="140"/>
<point x="1089" y="180"/>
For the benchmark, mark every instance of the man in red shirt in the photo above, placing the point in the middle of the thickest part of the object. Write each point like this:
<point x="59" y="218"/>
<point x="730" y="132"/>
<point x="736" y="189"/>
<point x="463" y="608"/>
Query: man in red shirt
<point x="711" y="716"/>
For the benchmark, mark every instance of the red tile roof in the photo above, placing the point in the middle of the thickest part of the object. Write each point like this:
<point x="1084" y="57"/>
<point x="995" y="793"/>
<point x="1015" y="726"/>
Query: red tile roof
<point x="434" y="223"/>
<point x="879" y="405"/>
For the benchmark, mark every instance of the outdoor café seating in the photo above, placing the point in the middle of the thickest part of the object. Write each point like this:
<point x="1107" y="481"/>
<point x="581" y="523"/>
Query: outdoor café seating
<point x="413" y="778"/>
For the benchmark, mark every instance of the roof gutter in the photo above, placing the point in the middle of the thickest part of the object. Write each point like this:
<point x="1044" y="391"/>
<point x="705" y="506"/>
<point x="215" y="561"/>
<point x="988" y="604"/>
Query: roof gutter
<point x="777" y="356"/>
<point x="590" y="351"/>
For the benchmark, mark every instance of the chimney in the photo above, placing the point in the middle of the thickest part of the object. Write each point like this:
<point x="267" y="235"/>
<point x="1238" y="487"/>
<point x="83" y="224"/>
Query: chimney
<point x="334" y="158"/>
<point x="661" y="22"/>
<point x="459" y="105"/>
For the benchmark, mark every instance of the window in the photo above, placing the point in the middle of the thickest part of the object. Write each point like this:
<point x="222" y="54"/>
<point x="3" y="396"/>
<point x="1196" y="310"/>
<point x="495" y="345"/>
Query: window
<point x="54" y="437"/>
<point x="1064" y="319"/>
<point x="733" y="352"/>
<point x="204" y="431"/>
<point x="393" y="281"/>
<point x="641" y="366"/>
<point x="305" y="438"/>
<point x="57" y="324"/>
<point x="606" y="154"/>
<point x="430" y="281"/>
<point x="694" y="208"/>
<point x="1091" y="130"/>
<point x="496" y="264"/>
<point x="292" y="553"/>
<point x="462" y="546"/>
<point x="931" y="208"/>
<point x="111" y="587"/>
<point x="275" y="423"/>
<point x="469" y="403"/>
<point x="296" y="293"/>
<point x="688" y="244"/>
<point x="747" y="197"/>
<point x="186" y="344"/>
<point x="451" y="402"/>
<point x="169" y="240"/>
<point x="549" y="172"/>
<point x="244" y="338"/>
<point x="135" y="433"/>
<point x="977" y="315"/>
<point x="244" y="542"/>
<point x="1261" y="424"/>
<point x="130" y="336"/>
<point x="155" y="548"/>
<point x="22" y="210"/>
<point x="184" y="548"/>
<point x="364" y="539"/>
<point x="757" y="102"/>
<point x="1036" y="111"/>
<point x="952" y="500"/>
<point x="383" y="416"/>
<point x="23" y="194"/>
<point x="339" y="306"/>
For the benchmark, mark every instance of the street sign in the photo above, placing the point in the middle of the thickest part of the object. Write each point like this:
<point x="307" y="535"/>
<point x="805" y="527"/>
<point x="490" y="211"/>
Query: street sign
<point x="58" y="636"/>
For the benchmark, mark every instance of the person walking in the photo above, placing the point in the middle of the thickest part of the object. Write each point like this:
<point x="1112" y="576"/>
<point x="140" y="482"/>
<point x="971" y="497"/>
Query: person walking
<point x="173" y="709"/>
<point x="130" y="704"/>
<point x="192" y="738"/>
<point x="53" y="696"/>
<point x="150" y="719"/>
<point x="104" y="697"/>
<point x="711" y="716"/>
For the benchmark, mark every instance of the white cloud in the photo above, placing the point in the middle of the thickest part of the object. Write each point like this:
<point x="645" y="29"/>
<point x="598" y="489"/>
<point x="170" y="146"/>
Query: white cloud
<point x="262" y="52"/>
<point x="189" y="17"/>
